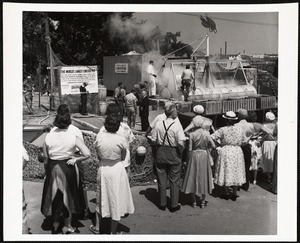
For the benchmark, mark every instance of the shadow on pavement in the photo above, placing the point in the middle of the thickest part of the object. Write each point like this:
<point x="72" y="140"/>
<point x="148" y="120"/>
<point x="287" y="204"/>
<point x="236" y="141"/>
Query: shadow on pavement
<point x="105" y="226"/>
<point x="151" y="194"/>
<point x="261" y="181"/>
<point x="48" y="222"/>
<point x="218" y="191"/>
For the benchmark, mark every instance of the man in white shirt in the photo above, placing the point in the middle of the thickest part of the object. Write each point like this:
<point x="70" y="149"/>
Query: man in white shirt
<point x="160" y="117"/>
<point x="170" y="139"/>
<point x="131" y="108"/>
<point x="151" y="78"/>
<point x="187" y="77"/>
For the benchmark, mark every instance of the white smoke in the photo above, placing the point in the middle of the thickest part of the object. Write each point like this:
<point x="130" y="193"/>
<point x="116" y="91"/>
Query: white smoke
<point x="129" y="27"/>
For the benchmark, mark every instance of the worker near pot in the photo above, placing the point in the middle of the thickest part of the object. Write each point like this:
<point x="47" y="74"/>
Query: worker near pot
<point x="83" y="96"/>
<point x="187" y="77"/>
<point x="151" y="78"/>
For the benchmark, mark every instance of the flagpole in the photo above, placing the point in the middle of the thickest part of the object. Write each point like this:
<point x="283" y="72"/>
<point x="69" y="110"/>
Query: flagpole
<point x="50" y="61"/>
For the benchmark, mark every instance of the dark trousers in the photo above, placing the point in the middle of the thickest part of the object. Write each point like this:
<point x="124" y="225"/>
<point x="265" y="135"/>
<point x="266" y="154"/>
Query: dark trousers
<point x="247" y="157"/>
<point x="144" y="122"/>
<point x="274" y="180"/>
<point x="83" y="104"/>
<point x="119" y="102"/>
<point x="168" y="166"/>
<point x="185" y="86"/>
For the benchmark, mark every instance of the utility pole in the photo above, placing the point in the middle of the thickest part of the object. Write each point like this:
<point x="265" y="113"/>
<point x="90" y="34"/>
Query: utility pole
<point x="39" y="78"/>
<point x="50" y="61"/>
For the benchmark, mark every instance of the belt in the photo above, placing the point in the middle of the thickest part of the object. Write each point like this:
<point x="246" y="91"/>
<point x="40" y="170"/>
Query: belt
<point x="167" y="146"/>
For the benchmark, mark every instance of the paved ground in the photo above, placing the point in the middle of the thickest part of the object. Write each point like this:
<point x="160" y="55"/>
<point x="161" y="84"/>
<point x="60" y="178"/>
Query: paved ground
<point x="254" y="212"/>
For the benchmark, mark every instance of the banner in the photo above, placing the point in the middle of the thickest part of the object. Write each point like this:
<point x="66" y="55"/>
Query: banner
<point x="72" y="77"/>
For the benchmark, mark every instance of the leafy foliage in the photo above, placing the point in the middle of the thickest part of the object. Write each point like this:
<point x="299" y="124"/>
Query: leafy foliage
<point x="85" y="38"/>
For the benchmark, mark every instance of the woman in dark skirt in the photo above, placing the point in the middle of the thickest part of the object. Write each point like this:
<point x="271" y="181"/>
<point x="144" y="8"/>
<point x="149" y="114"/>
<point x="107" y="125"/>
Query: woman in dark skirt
<point x="63" y="193"/>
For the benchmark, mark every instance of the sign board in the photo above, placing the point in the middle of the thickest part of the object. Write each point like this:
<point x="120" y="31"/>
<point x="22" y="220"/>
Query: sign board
<point x="121" y="67"/>
<point x="72" y="77"/>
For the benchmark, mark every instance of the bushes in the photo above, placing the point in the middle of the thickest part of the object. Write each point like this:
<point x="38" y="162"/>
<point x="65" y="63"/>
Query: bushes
<point x="141" y="166"/>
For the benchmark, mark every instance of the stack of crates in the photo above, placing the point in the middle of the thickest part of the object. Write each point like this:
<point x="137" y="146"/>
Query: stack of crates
<point x="232" y="105"/>
<point x="183" y="106"/>
<point x="211" y="107"/>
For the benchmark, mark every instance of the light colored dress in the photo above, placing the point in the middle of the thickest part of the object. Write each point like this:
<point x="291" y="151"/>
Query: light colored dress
<point x="268" y="147"/>
<point x="113" y="193"/>
<point x="124" y="131"/>
<point x="198" y="178"/>
<point x="254" y="154"/>
<point x="230" y="166"/>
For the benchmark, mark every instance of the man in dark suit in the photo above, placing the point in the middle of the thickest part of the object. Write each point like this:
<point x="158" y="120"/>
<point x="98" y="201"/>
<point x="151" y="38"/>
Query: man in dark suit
<point x="83" y="93"/>
<point x="144" y="110"/>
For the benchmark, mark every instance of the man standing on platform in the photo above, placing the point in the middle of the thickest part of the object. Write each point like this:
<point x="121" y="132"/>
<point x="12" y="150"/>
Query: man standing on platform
<point x="186" y="80"/>
<point x="83" y="93"/>
<point x="151" y="78"/>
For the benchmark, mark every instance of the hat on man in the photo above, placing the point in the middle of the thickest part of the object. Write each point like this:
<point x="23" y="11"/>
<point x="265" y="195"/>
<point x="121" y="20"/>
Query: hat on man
<point x="230" y="115"/>
<point x="270" y="116"/>
<point x="198" y="109"/>
<point x="242" y="114"/>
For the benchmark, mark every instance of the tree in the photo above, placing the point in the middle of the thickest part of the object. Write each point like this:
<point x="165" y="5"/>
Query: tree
<point x="34" y="45"/>
<point x="170" y="44"/>
<point x="85" y="38"/>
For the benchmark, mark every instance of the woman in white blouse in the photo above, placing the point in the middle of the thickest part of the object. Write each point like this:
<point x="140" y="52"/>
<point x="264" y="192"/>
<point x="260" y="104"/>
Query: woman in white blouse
<point x="62" y="193"/>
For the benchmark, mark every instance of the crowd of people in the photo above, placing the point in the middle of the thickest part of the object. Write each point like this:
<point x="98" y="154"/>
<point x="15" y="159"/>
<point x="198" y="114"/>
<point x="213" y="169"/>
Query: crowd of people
<point x="242" y="146"/>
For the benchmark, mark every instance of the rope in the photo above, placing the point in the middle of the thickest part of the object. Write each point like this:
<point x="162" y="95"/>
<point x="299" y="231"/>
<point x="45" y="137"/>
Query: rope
<point x="184" y="46"/>
<point x="72" y="58"/>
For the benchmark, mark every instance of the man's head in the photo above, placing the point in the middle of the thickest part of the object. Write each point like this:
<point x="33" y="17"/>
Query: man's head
<point x="144" y="93"/>
<point x="242" y="114"/>
<point x="151" y="62"/>
<point x="120" y="84"/>
<point x="170" y="110"/>
<point x="187" y="66"/>
<point x="85" y="84"/>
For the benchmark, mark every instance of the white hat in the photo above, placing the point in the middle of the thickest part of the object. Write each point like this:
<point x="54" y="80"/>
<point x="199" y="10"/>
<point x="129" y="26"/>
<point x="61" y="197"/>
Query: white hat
<point x="230" y="115"/>
<point x="270" y="116"/>
<point x="141" y="150"/>
<point x="198" y="109"/>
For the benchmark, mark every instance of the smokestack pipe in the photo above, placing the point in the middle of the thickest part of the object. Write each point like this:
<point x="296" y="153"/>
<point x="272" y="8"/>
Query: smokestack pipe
<point x="221" y="51"/>
<point x="225" y="48"/>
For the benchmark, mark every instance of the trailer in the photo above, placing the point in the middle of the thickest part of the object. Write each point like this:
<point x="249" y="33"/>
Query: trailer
<point x="220" y="85"/>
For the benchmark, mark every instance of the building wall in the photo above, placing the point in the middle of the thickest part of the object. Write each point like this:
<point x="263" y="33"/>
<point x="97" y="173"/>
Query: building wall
<point x="133" y="75"/>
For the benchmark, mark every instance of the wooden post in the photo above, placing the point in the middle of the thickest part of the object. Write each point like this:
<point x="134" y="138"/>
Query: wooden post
<point x="39" y="79"/>
<point x="50" y="61"/>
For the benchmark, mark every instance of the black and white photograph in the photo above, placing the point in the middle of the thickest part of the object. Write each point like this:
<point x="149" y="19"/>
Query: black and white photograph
<point x="158" y="122"/>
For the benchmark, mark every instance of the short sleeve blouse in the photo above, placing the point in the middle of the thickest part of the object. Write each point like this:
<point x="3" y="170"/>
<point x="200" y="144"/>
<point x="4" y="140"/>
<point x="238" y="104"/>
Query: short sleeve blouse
<point x="230" y="135"/>
<point x="109" y="146"/>
<point x="61" y="144"/>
